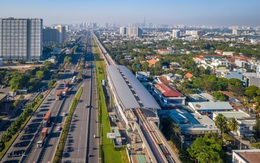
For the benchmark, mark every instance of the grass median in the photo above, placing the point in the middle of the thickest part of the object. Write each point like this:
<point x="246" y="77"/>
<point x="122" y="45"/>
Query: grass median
<point x="108" y="153"/>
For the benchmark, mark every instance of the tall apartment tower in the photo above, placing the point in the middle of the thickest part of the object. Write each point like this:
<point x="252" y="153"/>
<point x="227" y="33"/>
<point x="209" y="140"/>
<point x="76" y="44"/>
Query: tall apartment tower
<point x="50" y="36"/>
<point x="122" y="30"/>
<point x="20" y="39"/>
<point x="176" y="33"/>
<point x="134" y="31"/>
<point x="62" y="33"/>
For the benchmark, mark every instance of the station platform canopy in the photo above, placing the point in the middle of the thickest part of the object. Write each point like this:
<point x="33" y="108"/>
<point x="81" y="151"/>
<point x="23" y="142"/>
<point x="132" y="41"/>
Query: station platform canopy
<point x="130" y="92"/>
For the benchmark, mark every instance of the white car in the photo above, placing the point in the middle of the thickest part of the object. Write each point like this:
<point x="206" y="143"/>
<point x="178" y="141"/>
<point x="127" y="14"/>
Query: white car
<point x="58" y="128"/>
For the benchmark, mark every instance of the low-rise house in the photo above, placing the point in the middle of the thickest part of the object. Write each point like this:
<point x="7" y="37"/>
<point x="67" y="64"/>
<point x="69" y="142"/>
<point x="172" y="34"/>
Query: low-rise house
<point x="209" y="107"/>
<point x="167" y="95"/>
<point x="228" y="54"/>
<point x="246" y="156"/>
<point x="153" y="62"/>
<point x="219" y="51"/>
<point x="235" y="74"/>
<point x="245" y="121"/>
<point x="220" y="63"/>
<point x="192" y="125"/>
<point x="252" y="79"/>
<point x="142" y="76"/>
<point x="207" y="96"/>
<point x="221" y="73"/>
<point x="197" y="98"/>
<point x="188" y="76"/>
<point x="165" y="51"/>
<point x="162" y="79"/>
<point x="231" y="97"/>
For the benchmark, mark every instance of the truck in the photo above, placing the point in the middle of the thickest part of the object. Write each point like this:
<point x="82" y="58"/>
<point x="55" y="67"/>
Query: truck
<point x="65" y="91"/>
<point x="41" y="140"/>
<point x="59" y="93"/>
<point x="46" y="119"/>
<point x="67" y="84"/>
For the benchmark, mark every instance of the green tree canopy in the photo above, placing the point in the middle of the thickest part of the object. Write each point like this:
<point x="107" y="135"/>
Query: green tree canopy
<point x="207" y="149"/>
<point x="221" y="123"/>
<point x="233" y="124"/>
<point x="40" y="74"/>
<point x="251" y="91"/>
<point x="220" y="96"/>
<point x="236" y="86"/>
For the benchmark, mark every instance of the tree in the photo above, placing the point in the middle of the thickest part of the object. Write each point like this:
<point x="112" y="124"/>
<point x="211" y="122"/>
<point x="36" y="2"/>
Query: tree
<point x="207" y="149"/>
<point x="51" y="83"/>
<point x="257" y="126"/>
<point x="233" y="124"/>
<point x="2" y="146"/>
<point x="220" y="96"/>
<point x="221" y="123"/>
<point x="39" y="74"/>
<point x="145" y="66"/>
<point x="251" y="91"/>
<point x="236" y="86"/>
<point x="48" y="65"/>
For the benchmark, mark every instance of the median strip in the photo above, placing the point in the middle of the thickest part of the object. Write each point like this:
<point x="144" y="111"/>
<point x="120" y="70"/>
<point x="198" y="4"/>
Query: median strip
<point x="63" y="137"/>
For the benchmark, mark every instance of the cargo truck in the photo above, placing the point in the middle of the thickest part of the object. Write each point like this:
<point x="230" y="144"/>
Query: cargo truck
<point x="67" y="84"/>
<point x="65" y="91"/>
<point x="41" y="140"/>
<point x="46" y="119"/>
<point x="59" y="93"/>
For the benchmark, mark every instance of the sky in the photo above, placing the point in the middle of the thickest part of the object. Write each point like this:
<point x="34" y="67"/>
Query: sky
<point x="124" y="12"/>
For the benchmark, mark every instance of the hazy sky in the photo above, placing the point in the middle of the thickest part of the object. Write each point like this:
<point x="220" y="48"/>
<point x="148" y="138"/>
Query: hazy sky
<point x="191" y="12"/>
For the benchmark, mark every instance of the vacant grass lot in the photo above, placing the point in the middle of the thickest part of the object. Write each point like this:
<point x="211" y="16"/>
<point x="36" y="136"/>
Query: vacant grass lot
<point x="108" y="153"/>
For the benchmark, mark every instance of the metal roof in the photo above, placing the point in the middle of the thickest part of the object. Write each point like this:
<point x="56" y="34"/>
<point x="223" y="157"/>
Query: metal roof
<point x="129" y="90"/>
<point x="211" y="105"/>
<point x="123" y="92"/>
<point x="144" y="96"/>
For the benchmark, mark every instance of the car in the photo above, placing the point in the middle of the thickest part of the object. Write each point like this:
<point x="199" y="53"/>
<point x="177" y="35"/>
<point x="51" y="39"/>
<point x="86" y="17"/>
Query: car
<point x="64" y="114"/>
<point x="58" y="128"/>
<point x="94" y="136"/>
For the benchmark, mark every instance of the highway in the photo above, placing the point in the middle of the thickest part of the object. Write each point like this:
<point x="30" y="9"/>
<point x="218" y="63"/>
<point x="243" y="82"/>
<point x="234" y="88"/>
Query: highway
<point x="28" y="136"/>
<point x="160" y="149"/>
<point x="81" y="145"/>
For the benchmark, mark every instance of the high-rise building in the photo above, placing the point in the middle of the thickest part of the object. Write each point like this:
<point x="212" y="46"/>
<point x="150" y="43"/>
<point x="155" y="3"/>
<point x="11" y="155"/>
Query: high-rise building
<point x="62" y="33"/>
<point x="50" y="36"/>
<point x="176" y="33"/>
<point x="195" y="33"/>
<point x="234" y="31"/>
<point x="20" y="39"/>
<point x="122" y="30"/>
<point x="134" y="31"/>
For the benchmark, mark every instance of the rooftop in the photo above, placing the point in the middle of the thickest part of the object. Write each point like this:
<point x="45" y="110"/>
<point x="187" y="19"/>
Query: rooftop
<point x="189" y="75"/>
<point x="167" y="90"/>
<point x="235" y="114"/>
<point x="211" y="105"/>
<point x="249" y="155"/>
<point x="131" y="93"/>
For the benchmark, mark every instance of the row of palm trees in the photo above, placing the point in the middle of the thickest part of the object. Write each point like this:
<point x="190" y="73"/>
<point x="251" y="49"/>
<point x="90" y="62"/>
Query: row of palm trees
<point x="225" y="125"/>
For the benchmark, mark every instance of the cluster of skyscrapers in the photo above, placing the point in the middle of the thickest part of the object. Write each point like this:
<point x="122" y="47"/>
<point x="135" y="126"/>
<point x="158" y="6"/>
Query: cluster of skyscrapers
<point x="131" y="31"/>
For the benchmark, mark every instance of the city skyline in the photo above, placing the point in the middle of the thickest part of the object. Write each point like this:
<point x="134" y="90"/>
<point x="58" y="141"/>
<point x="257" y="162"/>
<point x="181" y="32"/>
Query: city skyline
<point x="201" y="12"/>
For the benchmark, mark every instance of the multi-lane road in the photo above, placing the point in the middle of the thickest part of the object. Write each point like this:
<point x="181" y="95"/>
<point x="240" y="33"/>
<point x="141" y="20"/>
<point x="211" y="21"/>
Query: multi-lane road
<point x="81" y="145"/>
<point x="82" y="141"/>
